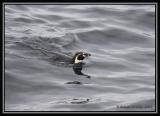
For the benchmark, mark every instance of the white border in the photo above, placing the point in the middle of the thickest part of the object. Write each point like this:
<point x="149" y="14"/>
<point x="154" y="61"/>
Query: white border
<point x="87" y="3"/>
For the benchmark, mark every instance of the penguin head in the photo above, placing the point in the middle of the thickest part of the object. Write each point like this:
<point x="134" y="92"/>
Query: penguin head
<point x="79" y="56"/>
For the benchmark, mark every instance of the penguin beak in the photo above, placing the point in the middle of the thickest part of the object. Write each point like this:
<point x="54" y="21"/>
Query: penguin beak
<point x="86" y="55"/>
<point x="89" y="54"/>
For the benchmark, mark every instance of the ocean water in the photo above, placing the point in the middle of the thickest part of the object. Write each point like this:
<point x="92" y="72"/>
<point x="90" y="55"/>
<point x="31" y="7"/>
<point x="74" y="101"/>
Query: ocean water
<point x="120" y="39"/>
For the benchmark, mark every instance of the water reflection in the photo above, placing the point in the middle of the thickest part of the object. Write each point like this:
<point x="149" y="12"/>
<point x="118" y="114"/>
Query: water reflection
<point x="80" y="101"/>
<point x="74" y="82"/>
<point x="77" y="68"/>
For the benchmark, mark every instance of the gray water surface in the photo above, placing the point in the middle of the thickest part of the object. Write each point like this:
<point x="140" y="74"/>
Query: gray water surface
<point x="120" y="39"/>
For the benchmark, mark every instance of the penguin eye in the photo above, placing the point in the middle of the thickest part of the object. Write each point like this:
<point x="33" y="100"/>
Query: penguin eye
<point x="80" y="57"/>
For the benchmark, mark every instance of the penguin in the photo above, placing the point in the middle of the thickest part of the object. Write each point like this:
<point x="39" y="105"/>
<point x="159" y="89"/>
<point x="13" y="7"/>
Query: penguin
<point x="77" y="62"/>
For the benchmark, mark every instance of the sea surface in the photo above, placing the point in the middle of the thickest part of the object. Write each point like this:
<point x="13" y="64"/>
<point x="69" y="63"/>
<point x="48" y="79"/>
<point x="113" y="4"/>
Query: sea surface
<point x="120" y="39"/>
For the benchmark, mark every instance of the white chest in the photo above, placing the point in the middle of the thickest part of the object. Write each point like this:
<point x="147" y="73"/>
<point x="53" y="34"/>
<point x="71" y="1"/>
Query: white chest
<point x="77" y="61"/>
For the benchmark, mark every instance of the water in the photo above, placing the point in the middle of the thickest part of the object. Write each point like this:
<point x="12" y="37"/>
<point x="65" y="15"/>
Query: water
<point x="120" y="39"/>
